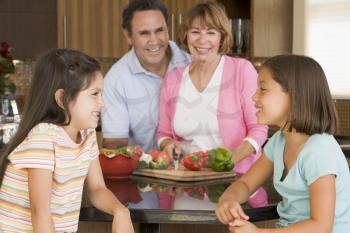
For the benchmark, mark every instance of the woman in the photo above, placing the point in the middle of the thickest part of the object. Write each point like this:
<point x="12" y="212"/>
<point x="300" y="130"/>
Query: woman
<point x="208" y="103"/>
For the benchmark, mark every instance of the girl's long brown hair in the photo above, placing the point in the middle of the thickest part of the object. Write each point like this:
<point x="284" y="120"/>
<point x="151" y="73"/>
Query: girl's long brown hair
<point x="69" y="70"/>
<point x="312" y="110"/>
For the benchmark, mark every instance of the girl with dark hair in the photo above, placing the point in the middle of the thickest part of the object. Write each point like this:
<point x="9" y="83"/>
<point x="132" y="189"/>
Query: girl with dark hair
<point x="308" y="167"/>
<point x="44" y="166"/>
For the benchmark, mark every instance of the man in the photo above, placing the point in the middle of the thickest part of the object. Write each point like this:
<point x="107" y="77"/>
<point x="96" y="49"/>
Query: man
<point x="132" y="85"/>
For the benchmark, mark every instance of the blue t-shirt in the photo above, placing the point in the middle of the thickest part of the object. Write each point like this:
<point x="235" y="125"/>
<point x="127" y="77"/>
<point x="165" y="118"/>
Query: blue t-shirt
<point x="131" y="97"/>
<point x="320" y="156"/>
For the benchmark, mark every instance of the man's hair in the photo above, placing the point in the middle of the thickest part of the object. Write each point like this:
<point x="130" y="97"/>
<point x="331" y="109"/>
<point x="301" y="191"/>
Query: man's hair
<point x="141" y="5"/>
<point x="312" y="110"/>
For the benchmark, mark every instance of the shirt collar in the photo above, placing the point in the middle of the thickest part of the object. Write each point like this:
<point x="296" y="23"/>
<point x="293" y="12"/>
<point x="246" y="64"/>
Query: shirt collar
<point x="178" y="56"/>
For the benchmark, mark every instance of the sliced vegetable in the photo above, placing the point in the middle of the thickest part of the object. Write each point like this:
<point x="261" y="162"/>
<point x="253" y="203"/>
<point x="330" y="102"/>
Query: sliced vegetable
<point x="123" y="150"/>
<point x="108" y="153"/>
<point x="130" y="151"/>
<point x="160" y="154"/>
<point x="159" y="164"/>
<point x="160" y="160"/>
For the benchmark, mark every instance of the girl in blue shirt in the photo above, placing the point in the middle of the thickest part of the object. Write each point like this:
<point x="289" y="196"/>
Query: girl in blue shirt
<point x="309" y="169"/>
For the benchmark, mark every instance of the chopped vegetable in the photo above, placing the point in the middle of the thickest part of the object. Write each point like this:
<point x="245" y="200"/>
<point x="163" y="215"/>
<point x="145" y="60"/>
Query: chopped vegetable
<point x="159" y="164"/>
<point x="160" y="160"/>
<point x="109" y="153"/>
<point x="130" y="151"/>
<point x="160" y="154"/>
<point x="123" y="150"/>
<point x="144" y="161"/>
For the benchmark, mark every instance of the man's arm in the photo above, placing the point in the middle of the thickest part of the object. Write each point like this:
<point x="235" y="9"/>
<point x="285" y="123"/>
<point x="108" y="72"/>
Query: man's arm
<point x="113" y="143"/>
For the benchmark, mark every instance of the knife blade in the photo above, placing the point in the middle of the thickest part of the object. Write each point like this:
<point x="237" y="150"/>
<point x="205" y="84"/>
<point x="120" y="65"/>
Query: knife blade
<point x="176" y="158"/>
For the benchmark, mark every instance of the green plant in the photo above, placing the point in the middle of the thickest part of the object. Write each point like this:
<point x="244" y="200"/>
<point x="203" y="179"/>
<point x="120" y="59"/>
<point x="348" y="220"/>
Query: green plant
<point x="6" y="67"/>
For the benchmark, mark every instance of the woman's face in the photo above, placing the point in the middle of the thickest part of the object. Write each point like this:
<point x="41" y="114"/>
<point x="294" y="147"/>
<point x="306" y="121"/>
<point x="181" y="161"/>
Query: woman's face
<point x="271" y="101"/>
<point x="203" y="42"/>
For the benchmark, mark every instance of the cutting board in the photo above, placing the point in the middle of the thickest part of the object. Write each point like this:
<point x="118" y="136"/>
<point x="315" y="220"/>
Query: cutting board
<point x="183" y="174"/>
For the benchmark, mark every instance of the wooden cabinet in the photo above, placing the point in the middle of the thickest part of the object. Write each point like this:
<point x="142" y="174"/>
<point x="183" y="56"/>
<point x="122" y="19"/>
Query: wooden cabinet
<point x="271" y="24"/>
<point x="177" y="10"/>
<point x="94" y="26"/>
<point x="91" y="26"/>
<point x="28" y="26"/>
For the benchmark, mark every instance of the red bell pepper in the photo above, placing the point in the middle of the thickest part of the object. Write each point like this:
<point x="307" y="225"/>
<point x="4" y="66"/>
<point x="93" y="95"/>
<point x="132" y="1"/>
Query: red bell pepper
<point x="194" y="161"/>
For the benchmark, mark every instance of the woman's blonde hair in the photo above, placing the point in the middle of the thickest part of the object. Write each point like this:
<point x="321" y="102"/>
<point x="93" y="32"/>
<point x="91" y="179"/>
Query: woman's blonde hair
<point x="212" y="15"/>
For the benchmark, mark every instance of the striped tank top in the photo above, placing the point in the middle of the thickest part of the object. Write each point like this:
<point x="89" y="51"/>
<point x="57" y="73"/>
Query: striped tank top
<point x="47" y="146"/>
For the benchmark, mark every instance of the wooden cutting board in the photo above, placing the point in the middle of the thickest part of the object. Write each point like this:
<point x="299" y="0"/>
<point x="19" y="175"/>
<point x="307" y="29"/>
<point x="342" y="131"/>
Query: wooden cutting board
<point x="183" y="174"/>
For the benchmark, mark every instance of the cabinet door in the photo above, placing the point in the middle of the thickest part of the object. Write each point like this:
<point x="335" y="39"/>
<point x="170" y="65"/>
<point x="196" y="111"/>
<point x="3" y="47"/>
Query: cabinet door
<point x="92" y="26"/>
<point x="177" y="11"/>
<point x="272" y="27"/>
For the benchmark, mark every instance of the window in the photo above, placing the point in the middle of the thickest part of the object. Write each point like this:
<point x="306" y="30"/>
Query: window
<point x="322" y="31"/>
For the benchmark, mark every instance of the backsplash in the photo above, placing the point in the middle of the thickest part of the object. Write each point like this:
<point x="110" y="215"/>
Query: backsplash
<point x="343" y="109"/>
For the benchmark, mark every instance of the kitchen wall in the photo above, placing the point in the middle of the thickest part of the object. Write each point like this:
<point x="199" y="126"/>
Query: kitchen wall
<point x="30" y="26"/>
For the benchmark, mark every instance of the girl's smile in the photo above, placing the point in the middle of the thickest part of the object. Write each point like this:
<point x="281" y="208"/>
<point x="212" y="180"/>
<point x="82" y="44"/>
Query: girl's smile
<point x="86" y="109"/>
<point x="271" y="101"/>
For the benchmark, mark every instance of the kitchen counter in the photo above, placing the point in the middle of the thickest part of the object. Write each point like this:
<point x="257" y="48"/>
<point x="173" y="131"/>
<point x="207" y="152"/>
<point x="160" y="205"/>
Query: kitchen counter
<point x="181" y="202"/>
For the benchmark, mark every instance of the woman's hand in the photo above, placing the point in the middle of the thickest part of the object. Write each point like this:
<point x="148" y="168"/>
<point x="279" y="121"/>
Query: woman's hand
<point x="122" y="222"/>
<point x="170" y="146"/>
<point x="242" y="226"/>
<point x="229" y="210"/>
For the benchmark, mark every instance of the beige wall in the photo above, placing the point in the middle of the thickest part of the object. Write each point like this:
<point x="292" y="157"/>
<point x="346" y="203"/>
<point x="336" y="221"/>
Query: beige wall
<point x="298" y="26"/>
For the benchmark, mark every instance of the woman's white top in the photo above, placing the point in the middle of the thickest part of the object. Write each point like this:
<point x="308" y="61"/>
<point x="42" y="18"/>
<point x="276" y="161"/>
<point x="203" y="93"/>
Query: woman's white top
<point x="195" y="118"/>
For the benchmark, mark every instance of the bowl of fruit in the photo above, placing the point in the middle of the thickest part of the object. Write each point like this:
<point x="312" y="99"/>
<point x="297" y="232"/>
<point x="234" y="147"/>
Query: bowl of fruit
<point x="119" y="163"/>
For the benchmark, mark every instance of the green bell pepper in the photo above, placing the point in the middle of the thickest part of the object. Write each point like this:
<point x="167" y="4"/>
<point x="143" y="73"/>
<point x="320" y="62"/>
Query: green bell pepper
<point x="220" y="159"/>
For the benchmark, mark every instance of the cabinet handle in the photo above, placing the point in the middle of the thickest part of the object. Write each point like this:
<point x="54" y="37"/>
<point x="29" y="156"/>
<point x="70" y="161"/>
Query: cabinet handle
<point x="180" y="18"/>
<point x="172" y="26"/>
<point x="65" y="32"/>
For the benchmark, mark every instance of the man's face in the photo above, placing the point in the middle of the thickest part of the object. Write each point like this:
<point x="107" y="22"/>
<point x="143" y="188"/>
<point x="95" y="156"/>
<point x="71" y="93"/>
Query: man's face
<point x="149" y="37"/>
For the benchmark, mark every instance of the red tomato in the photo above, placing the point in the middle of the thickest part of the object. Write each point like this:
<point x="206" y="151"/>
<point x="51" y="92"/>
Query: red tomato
<point x="160" y="154"/>
<point x="154" y="154"/>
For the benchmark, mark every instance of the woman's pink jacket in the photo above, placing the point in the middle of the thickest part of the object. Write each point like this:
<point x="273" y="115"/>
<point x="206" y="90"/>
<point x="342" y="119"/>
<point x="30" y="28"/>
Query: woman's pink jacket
<point x="236" y="112"/>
